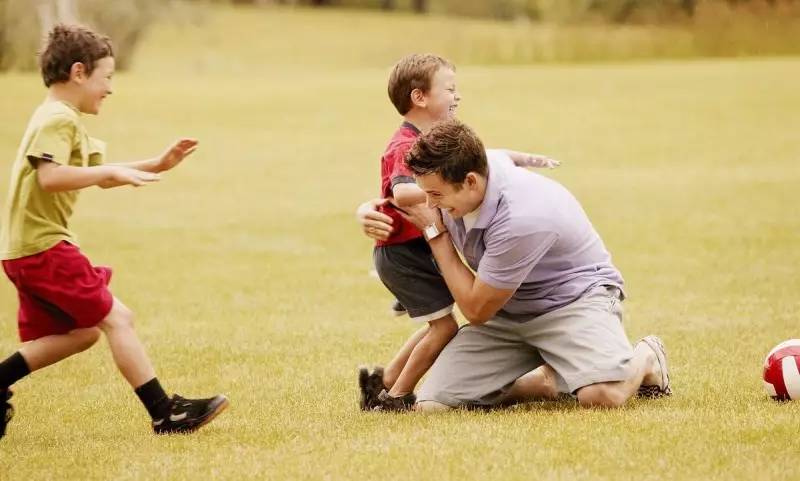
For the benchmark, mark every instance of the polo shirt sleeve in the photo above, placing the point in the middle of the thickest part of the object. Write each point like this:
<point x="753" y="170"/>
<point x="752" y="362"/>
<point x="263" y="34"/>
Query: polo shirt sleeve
<point x="53" y="140"/>
<point x="97" y="152"/>
<point x="510" y="257"/>
<point x="400" y="173"/>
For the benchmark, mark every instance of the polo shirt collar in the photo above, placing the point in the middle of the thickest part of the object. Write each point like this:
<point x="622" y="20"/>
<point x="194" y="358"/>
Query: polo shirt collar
<point x="491" y="199"/>
<point x="408" y="125"/>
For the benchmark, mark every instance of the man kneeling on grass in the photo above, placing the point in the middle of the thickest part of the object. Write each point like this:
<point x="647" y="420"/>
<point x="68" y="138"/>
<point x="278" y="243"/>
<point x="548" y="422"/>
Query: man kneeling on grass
<point x="545" y="305"/>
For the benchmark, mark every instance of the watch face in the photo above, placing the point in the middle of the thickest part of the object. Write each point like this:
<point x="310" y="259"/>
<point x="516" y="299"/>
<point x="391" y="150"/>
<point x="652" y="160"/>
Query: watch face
<point x="431" y="231"/>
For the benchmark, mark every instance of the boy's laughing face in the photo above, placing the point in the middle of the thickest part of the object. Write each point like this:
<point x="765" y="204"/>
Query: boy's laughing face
<point x="96" y="86"/>
<point x="442" y="98"/>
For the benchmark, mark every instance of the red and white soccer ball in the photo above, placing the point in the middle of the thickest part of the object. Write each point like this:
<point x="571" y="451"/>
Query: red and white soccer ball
<point x="782" y="371"/>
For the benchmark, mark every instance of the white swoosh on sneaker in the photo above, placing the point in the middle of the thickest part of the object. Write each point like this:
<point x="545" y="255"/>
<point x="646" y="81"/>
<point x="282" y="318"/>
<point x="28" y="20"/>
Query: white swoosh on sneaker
<point x="178" y="417"/>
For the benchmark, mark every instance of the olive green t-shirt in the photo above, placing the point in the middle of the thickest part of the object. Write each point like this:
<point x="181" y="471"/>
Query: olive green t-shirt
<point x="34" y="220"/>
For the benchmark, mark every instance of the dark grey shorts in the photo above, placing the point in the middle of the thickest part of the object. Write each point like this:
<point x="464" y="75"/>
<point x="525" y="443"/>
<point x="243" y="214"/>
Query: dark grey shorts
<point x="410" y="273"/>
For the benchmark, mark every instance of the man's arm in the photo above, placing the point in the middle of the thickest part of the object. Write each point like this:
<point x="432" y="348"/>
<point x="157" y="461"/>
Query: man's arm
<point x="477" y="300"/>
<point x="54" y="177"/>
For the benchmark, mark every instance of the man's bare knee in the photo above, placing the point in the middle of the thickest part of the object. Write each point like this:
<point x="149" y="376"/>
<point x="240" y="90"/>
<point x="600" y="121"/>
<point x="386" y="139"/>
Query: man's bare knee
<point x="602" y="395"/>
<point x="120" y="317"/>
<point x="431" y="406"/>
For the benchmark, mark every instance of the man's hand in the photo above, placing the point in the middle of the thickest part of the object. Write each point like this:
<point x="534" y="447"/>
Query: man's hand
<point x="535" y="160"/>
<point x="422" y="216"/>
<point x="376" y="225"/>
<point x="175" y="154"/>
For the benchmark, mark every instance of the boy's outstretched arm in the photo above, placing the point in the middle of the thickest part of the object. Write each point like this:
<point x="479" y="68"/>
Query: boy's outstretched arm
<point x="522" y="159"/>
<point x="171" y="157"/>
<point x="54" y="177"/>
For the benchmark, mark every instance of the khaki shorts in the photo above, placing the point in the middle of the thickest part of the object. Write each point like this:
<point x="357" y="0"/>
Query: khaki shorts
<point x="584" y="343"/>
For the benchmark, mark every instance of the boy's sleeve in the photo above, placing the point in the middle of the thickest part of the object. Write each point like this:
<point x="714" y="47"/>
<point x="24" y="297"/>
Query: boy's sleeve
<point x="53" y="141"/>
<point x="400" y="173"/>
<point x="97" y="152"/>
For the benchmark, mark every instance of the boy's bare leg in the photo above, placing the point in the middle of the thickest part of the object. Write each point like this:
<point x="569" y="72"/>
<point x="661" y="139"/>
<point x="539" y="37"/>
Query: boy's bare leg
<point x="396" y="365"/>
<point x="440" y="331"/>
<point x="185" y="415"/>
<point x="128" y="352"/>
<point x="49" y="350"/>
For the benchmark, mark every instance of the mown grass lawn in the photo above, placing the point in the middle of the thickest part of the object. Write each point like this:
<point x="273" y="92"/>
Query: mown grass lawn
<point x="249" y="276"/>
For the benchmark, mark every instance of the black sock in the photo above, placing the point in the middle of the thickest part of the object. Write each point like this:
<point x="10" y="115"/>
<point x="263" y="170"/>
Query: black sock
<point x="12" y="370"/>
<point x="154" y="398"/>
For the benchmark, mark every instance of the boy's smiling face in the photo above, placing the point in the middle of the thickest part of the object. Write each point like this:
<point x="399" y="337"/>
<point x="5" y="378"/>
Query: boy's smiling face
<point x="96" y="86"/>
<point x="442" y="98"/>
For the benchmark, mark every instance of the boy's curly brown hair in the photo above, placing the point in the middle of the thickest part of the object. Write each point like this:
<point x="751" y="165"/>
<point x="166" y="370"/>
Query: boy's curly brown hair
<point x="69" y="44"/>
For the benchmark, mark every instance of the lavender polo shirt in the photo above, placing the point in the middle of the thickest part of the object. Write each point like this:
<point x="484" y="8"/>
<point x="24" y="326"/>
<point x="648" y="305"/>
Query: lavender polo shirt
<point x="532" y="235"/>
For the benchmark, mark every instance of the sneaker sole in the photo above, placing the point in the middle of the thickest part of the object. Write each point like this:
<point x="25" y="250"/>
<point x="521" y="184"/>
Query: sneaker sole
<point x="213" y="414"/>
<point x="657" y="346"/>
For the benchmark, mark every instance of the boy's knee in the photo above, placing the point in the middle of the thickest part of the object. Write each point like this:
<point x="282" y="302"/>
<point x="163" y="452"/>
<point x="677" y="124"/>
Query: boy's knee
<point x="85" y="338"/>
<point x="444" y="327"/>
<point x="602" y="395"/>
<point x="119" y="317"/>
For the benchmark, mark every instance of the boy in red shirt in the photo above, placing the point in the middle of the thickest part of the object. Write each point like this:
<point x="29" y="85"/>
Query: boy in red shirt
<point x="422" y="88"/>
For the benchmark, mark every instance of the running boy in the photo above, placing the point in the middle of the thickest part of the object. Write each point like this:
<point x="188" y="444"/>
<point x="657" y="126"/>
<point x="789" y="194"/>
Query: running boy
<point x="64" y="301"/>
<point x="422" y="88"/>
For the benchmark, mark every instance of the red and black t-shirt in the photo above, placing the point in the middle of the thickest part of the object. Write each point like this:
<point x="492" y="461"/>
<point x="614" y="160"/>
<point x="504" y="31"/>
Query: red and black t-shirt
<point x="395" y="171"/>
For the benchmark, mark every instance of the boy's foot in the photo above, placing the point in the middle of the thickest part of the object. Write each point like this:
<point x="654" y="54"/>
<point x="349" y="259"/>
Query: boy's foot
<point x="370" y="386"/>
<point x="662" y="387"/>
<point x="188" y="415"/>
<point x="6" y="410"/>
<point x="391" y="403"/>
<point x="398" y="309"/>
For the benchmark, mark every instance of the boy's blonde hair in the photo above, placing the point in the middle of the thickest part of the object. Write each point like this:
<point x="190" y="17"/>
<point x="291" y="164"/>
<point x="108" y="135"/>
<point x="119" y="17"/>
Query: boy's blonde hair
<point x="412" y="72"/>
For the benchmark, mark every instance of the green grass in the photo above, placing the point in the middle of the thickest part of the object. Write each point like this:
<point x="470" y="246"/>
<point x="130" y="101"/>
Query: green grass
<point x="249" y="276"/>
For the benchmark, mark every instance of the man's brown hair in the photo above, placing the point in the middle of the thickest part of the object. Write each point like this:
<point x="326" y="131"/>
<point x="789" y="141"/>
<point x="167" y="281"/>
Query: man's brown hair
<point x="450" y="149"/>
<point x="68" y="44"/>
<point x="411" y="72"/>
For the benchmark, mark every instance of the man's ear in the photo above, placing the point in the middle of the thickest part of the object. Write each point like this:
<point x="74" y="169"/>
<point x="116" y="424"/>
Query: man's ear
<point x="77" y="72"/>
<point x="471" y="180"/>
<point x="418" y="98"/>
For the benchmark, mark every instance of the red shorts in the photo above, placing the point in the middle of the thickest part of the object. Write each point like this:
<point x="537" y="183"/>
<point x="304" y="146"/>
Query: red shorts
<point x="59" y="290"/>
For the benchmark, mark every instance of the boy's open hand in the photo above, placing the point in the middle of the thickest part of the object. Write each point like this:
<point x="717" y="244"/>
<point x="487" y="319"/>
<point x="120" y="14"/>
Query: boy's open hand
<point x="137" y="178"/>
<point x="537" y="160"/>
<point x="176" y="153"/>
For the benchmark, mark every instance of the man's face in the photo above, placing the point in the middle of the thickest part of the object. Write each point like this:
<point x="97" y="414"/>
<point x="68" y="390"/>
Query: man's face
<point x="455" y="199"/>
<point x="442" y="98"/>
<point x="97" y="86"/>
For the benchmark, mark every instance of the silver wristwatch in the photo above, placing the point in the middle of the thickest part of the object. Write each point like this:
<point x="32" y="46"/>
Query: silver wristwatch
<point x="431" y="232"/>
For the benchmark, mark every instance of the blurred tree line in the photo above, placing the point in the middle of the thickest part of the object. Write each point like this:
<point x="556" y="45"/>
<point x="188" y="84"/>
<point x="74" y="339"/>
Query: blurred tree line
<point x="22" y="22"/>
<point x="612" y="11"/>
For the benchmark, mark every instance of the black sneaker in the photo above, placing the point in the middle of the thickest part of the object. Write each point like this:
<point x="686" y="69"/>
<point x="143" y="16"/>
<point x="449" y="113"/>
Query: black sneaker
<point x="370" y="386"/>
<point x="390" y="403"/>
<point x="6" y="410"/>
<point x="398" y="309"/>
<point x="188" y="415"/>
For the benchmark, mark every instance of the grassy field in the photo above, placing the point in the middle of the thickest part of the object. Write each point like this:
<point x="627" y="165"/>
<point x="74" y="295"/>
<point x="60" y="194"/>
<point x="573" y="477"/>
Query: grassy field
<point x="249" y="276"/>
